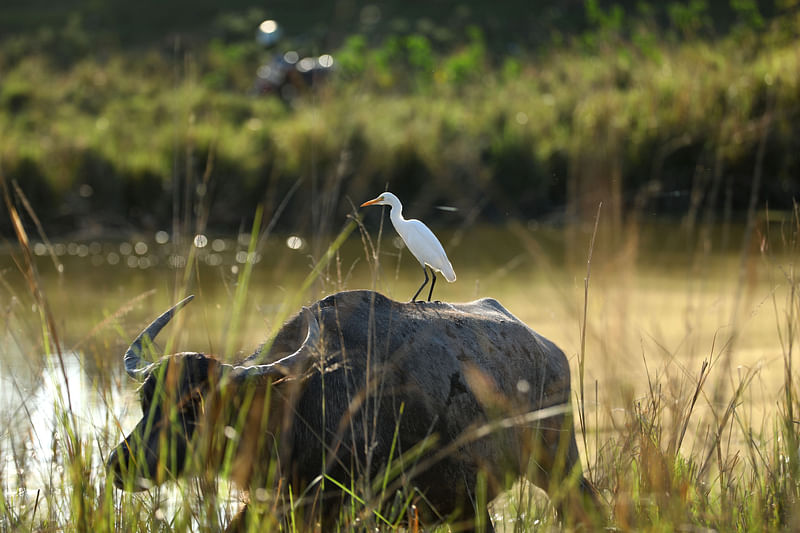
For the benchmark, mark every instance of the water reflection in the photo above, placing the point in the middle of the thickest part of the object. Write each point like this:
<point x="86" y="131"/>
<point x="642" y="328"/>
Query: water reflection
<point x="34" y="392"/>
<point x="143" y="254"/>
<point x="655" y="301"/>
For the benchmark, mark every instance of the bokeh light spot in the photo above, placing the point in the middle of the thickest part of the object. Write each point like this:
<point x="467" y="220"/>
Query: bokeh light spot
<point x="294" y="242"/>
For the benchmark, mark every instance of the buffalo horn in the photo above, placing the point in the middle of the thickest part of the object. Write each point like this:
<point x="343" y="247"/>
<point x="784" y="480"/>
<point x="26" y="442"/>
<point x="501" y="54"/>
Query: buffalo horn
<point x="289" y="364"/>
<point x="133" y="357"/>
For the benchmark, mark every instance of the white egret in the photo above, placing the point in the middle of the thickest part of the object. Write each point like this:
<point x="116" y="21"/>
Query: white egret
<point x="420" y="241"/>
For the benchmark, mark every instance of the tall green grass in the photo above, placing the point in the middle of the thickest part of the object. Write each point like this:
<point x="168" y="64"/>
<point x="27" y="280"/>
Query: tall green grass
<point x="685" y="449"/>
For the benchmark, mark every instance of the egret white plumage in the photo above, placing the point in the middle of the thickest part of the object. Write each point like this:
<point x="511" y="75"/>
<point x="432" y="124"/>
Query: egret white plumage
<point x="420" y="241"/>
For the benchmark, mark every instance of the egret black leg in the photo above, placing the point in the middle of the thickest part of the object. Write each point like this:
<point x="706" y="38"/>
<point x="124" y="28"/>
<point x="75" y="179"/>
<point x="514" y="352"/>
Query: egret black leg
<point x="414" y="298"/>
<point x="432" y="284"/>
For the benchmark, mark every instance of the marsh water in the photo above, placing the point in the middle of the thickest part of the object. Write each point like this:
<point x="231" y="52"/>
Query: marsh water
<point x="660" y="301"/>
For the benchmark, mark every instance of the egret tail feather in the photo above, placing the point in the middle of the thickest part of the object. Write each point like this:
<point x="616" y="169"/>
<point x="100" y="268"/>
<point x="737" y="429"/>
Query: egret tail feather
<point x="449" y="274"/>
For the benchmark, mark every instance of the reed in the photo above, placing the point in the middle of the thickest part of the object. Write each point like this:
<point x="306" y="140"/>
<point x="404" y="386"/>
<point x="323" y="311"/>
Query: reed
<point x="684" y="448"/>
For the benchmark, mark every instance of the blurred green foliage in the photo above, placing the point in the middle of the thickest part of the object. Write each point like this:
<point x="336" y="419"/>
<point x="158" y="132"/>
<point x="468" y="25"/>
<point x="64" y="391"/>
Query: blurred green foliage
<point x="664" y="92"/>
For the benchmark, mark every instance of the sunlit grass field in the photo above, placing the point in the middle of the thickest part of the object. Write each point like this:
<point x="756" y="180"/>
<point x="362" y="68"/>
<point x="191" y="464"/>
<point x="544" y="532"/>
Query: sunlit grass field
<point x="681" y="334"/>
<point x="98" y="140"/>
<point x="686" y="397"/>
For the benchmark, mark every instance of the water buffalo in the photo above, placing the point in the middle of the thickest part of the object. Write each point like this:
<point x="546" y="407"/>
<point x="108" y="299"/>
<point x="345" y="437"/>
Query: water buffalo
<point x="367" y="408"/>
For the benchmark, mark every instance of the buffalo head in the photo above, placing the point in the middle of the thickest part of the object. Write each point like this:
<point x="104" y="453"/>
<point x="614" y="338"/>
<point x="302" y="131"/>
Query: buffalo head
<point x="187" y="393"/>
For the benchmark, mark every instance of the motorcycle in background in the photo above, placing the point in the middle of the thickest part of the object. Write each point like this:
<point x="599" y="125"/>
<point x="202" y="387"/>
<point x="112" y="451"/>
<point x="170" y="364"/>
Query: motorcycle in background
<point x="288" y="75"/>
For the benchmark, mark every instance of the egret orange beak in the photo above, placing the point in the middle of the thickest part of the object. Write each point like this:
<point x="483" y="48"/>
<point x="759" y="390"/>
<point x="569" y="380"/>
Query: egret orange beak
<point x="371" y="202"/>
